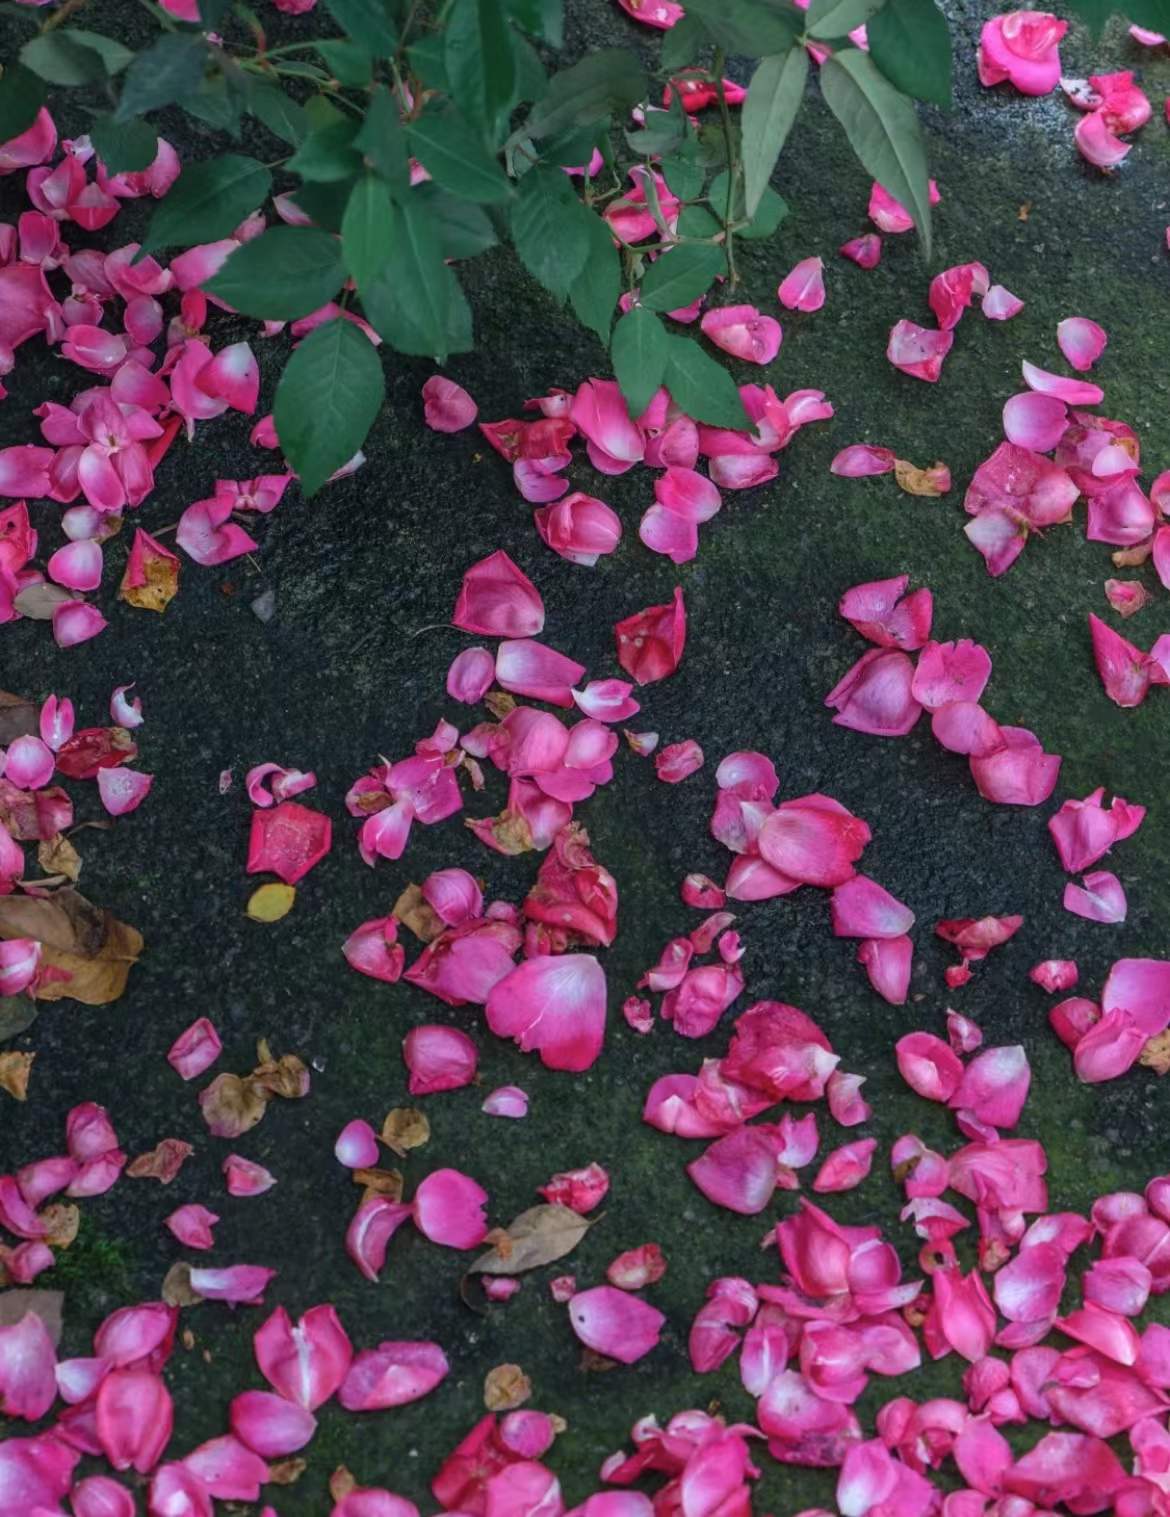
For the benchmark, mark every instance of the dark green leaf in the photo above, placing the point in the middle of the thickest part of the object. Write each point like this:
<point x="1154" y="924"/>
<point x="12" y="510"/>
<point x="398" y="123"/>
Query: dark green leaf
<point x="124" y="149"/>
<point x="531" y="81"/>
<point x="409" y="296"/>
<point x="279" y="112"/>
<point x="681" y="44"/>
<point x="751" y="28"/>
<point x="726" y="207"/>
<point x="329" y="154"/>
<point x="206" y="201"/>
<point x="837" y="18"/>
<point x="463" y="229"/>
<point x="773" y="99"/>
<point x="330" y="392"/>
<point x="348" y="62"/>
<point x="639" y="350"/>
<point x="703" y="388"/>
<point x="882" y="128"/>
<point x="594" y="293"/>
<point x="550" y="229"/>
<point x="1152" y="14"/>
<point x="212" y="13"/>
<point x="216" y="104"/>
<point x="696" y="221"/>
<point x="283" y="274"/>
<point x="383" y="141"/>
<point x="324" y="204"/>
<point x="1095" y="13"/>
<point x="681" y="275"/>
<point x="22" y="94"/>
<point x="477" y="53"/>
<point x="910" y="41"/>
<point x="684" y="176"/>
<point x="367" y="22"/>
<point x="770" y="212"/>
<point x="602" y="82"/>
<point x="456" y="157"/>
<point x="426" y="59"/>
<point x="71" y="56"/>
<point x="393" y="310"/>
<point x="574" y="147"/>
<point x="367" y="229"/>
<point x="540" y="18"/>
<point x="665" y="132"/>
<point x="169" y="70"/>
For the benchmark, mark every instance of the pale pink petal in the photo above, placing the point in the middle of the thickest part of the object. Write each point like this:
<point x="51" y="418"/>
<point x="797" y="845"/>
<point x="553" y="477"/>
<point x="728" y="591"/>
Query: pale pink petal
<point x="506" y="1101"/>
<point x="75" y="621"/>
<point x="438" y="1058"/>
<point x="1081" y="341"/>
<point x="195" y="1050"/>
<point x="860" y="459"/>
<point x="192" y="1226"/>
<point x="1077" y="392"/>
<point x="448" y="1209"/>
<point x="235" y="1283"/>
<point x="28" y="1382"/>
<point x="804" y="288"/>
<point x="861" y="908"/>
<point x="77" y="566"/>
<point x="743" y="332"/>
<point x="447" y="407"/>
<point x="554" y="1004"/>
<point x="1000" y="304"/>
<point x="739" y="1171"/>
<point x="134" y="1416"/>
<point x="470" y="675"/>
<point x="874" y="696"/>
<point x="357" y="1145"/>
<point x="1124" y="668"/>
<point x="228" y="1469"/>
<point x="846" y="1103"/>
<point x="453" y="895"/>
<point x="1035" y="420"/>
<point x="964" y="727"/>
<point x="1099" y="898"/>
<point x="676" y="761"/>
<point x="29" y="764"/>
<point x="270" y="1424"/>
<point x="392" y="1375"/>
<point x="123" y="790"/>
<point x="994" y="1086"/>
<point x="614" y="1323"/>
<point x="526" y="667"/>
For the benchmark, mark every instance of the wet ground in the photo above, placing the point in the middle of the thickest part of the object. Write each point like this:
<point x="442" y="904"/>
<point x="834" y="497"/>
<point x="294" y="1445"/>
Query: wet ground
<point x="351" y="666"/>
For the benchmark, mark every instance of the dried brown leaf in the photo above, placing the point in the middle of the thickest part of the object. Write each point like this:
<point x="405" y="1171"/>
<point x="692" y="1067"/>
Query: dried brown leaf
<point x="341" y="1483"/>
<point x="177" y="1289"/>
<point x="287" y="1471"/>
<point x="499" y="703"/>
<point x="15" y="1069"/>
<point x="414" y="913"/>
<point x="537" y="1236"/>
<point x="378" y="1182"/>
<point x="61" y="1221"/>
<point x="286" y="1077"/>
<point x="19" y="717"/>
<point x="162" y="584"/>
<point x="85" y="941"/>
<point x="935" y="480"/>
<point x="48" y="1305"/>
<point x="505" y="1388"/>
<point x="405" y="1128"/>
<point x="1130" y="558"/>
<point x="510" y="832"/>
<point x="232" y="1106"/>
<point x="57" y="855"/>
<point x="162" y="1163"/>
<point x="1156" y="1054"/>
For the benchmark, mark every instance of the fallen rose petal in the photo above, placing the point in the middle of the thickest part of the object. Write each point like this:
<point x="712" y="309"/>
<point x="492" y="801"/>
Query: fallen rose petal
<point x="393" y="1374"/>
<point x="555" y="1005"/>
<point x="269" y="1424"/>
<point x="439" y="1058"/>
<point x="614" y="1323"/>
<point x="498" y="600"/>
<point x="447" y="407"/>
<point x="1099" y="898"/>
<point x="804" y="288"/>
<point x="305" y="1362"/>
<point x="448" y="1209"/>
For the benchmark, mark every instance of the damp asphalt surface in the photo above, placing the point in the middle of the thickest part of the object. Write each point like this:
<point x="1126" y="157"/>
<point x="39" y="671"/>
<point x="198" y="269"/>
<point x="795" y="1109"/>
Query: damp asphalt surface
<point x="351" y="666"/>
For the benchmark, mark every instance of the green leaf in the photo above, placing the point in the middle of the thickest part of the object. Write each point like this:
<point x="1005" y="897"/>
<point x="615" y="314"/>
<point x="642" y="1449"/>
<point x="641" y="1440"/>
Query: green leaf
<point x="540" y="18"/>
<point x="206" y="201"/>
<point x="773" y="99"/>
<point x="169" y="70"/>
<point x="477" y="53"/>
<point x="367" y="229"/>
<point x="283" y="274"/>
<point x="697" y="221"/>
<point x="640" y="350"/>
<point x="1095" y="13"/>
<point x="665" y="132"/>
<point x="750" y="28"/>
<point x="72" y="56"/>
<point x="330" y="392"/>
<point x="910" y="42"/>
<point x="218" y="105"/>
<point x="348" y="62"/>
<point x="703" y="388"/>
<point x="531" y="82"/>
<point x="837" y="18"/>
<point x="550" y="229"/>
<point x="212" y="13"/>
<point x="383" y="141"/>
<point x="594" y="292"/>
<point x="456" y="157"/>
<point x="412" y="267"/>
<point x="279" y="112"/>
<point x="463" y="229"/>
<point x="601" y="83"/>
<point x="882" y="128"/>
<point x="426" y="60"/>
<point x="683" y="176"/>
<point x="124" y="149"/>
<point x="681" y="44"/>
<point x="368" y="22"/>
<point x="324" y="204"/>
<point x="681" y="275"/>
<point x="22" y="94"/>
<point x="770" y="212"/>
<point x="328" y="154"/>
<point x="1152" y="14"/>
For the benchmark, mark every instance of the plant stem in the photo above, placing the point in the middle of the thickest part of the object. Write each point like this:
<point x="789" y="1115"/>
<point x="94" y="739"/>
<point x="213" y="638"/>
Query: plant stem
<point x="62" y="14"/>
<point x="732" y="167"/>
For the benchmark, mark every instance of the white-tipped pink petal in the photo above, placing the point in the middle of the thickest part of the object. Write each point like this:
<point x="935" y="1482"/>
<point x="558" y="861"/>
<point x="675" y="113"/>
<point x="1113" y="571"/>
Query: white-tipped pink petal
<point x="614" y="1323"/>
<point x="29" y="764"/>
<point x="236" y="1282"/>
<point x="269" y="1424"/>
<point x="846" y="1167"/>
<point x="1099" y="898"/>
<point x="448" y="1209"/>
<point x="861" y="908"/>
<point x="77" y="566"/>
<point x="994" y="1086"/>
<point x="126" y="712"/>
<point x="1077" y="392"/>
<point x="470" y="675"/>
<point x="1081" y="341"/>
<point x="28" y="1382"/>
<point x="232" y="375"/>
<point x="357" y="1145"/>
<point x="804" y="288"/>
<point x="244" y="1177"/>
<point x="447" y="407"/>
<point x="526" y="667"/>
<point x="860" y="459"/>
<point x="1097" y="143"/>
<point x="506" y="1101"/>
<point x="999" y="304"/>
<point x="554" y="1004"/>
<point x="307" y="1361"/>
<point x="123" y="790"/>
<point x="743" y="332"/>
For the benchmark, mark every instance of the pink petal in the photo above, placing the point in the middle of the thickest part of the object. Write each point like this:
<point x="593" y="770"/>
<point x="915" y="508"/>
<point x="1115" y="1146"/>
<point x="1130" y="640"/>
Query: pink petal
<point x="368" y="1236"/>
<point x="964" y="727"/>
<point x="599" y="412"/>
<point x="392" y="1375"/>
<point x="288" y="841"/>
<point x="928" y="1066"/>
<point x="861" y="908"/>
<point x="448" y="1209"/>
<point x="28" y="1382"/>
<point x="882" y="612"/>
<point x="1100" y="898"/>
<point x="269" y="1424"/>
<point x="742" y="331"/>
<point x="859" y="460"/>
<point x="614" y="1323"/>
<point x="1019" y="774"/>
<point x="192" y="1226"/>
<point x="77" y="566"/>
<point x="1081" y="341"/>
<point x="874" y="696"/>
<point x="1124" y="668"/>
<point x="506" y="1101"/>
<point x="580" y="528"/>
<point x="438" y="1058"/>
<point x="804" y="288"/>
<point x="1084" y="831"/>
<point x="948" y="672"/>
<point x="470" y="675"/>
<point x="307" y="1362"/>
<point x="1035" y="420"/>
<point x="918" y="351"/>
<point x="1077" y="392"/>
<point x="675" y="762"/>
<point x="228" y="1469"/>
<point x="1108" y="1048"/>
<point x="29" y="764"/>
<point x="195" y="1050"/>
<point x="846" y="1167"/>
<point x="447" y="407"/>
<point x="994" y="1086"/>
<point x="1000" y="304"/>
<point x="864" y="251"/>
<point x="498" y="600"/>
<point x="244" y="1177"/>
<point x="235" y="1283"/>
<point x="529" y="668"/>
<point x="76" y="622"/>
<point x="1097" y="143"/>
<point x="813" y="842"/>
<point x="134" y="1418"/>
<point x="233" y="375"/>
<point x="357" y="1145"/>
<point x="739" y="1171"/>
<point x="554" y="1004"/>
<point x="123" y="790"/>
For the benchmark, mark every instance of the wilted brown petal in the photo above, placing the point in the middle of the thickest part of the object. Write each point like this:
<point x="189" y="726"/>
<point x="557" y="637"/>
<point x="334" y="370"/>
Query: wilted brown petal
<point x="15" y="1069"/>
<point x="232" y="1106"/>
<point x="379" y="1182"/>
<point x="61" y="1221"/>
<point x="510" y="831"/>
<point x="341" y="1482"/>
<point x="176" y="1286"/>
<point x="405" y="1128"/>
<point x="19" y="717"/>
<point x="537" y="1236"/>
<point x="162" y="1163"/>
<point x="1156" y="1054"/>
<point x="414" y="913"/>
<point x="505" y="1388"/>
<point x="935" y="480"/>
<point x="57" y="855"/>
<point x="499" y="703"/>
<point x="287" y="1471"/>
<point x="85" y="941"/>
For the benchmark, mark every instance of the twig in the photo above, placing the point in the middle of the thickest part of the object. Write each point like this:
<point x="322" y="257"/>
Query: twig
<point x="732" y="166"/>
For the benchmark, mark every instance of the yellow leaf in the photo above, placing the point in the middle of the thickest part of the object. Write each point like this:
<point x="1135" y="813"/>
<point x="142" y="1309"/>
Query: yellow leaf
<point x="161" y="576"/>
<point x="271" y="902"/>
<point x="933" y="481"/>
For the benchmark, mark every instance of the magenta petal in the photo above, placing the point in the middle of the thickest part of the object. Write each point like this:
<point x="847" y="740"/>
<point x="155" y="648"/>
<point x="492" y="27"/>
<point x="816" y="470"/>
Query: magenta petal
<point x="307" y="1362"/>
<point x="860" y="459"/>
<point x="498" y="600"/>
<point x="554" y="1004"/>
<point x="470" y="675"/>
<point x="1081" y="341"/>
<point x="270" y="1424"/>
<point x="235" y="1282"/>
<point x="28" y="1382"/>
<point x="1000" y="304"/>
<point x="741" y="331"/>
<point x="875" y="695"/>
<point x="391" y="1375"/>
<point x="447" y="407"/>
<point x="928" y="1066"/>
<point x="1077" y="392"/>
<point x="1034" y="420"/>
<point x="368" y="1236"/>
<point x="438" y="1058"/>
<point x="192" y="1225"/>
<point x="846" y="1167"/>
<point x="1099" y="898"/>
<point x="804" y="288"/>
<point x="995" y="1085"/>
<point x="614" y="1323"/>
<point x="740" y="1170"/>
<point x="356" y="1146"/>
<point x="861" y="908"/>
<point x="195" y="1050"/>
<point x="448" y="1209"/>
